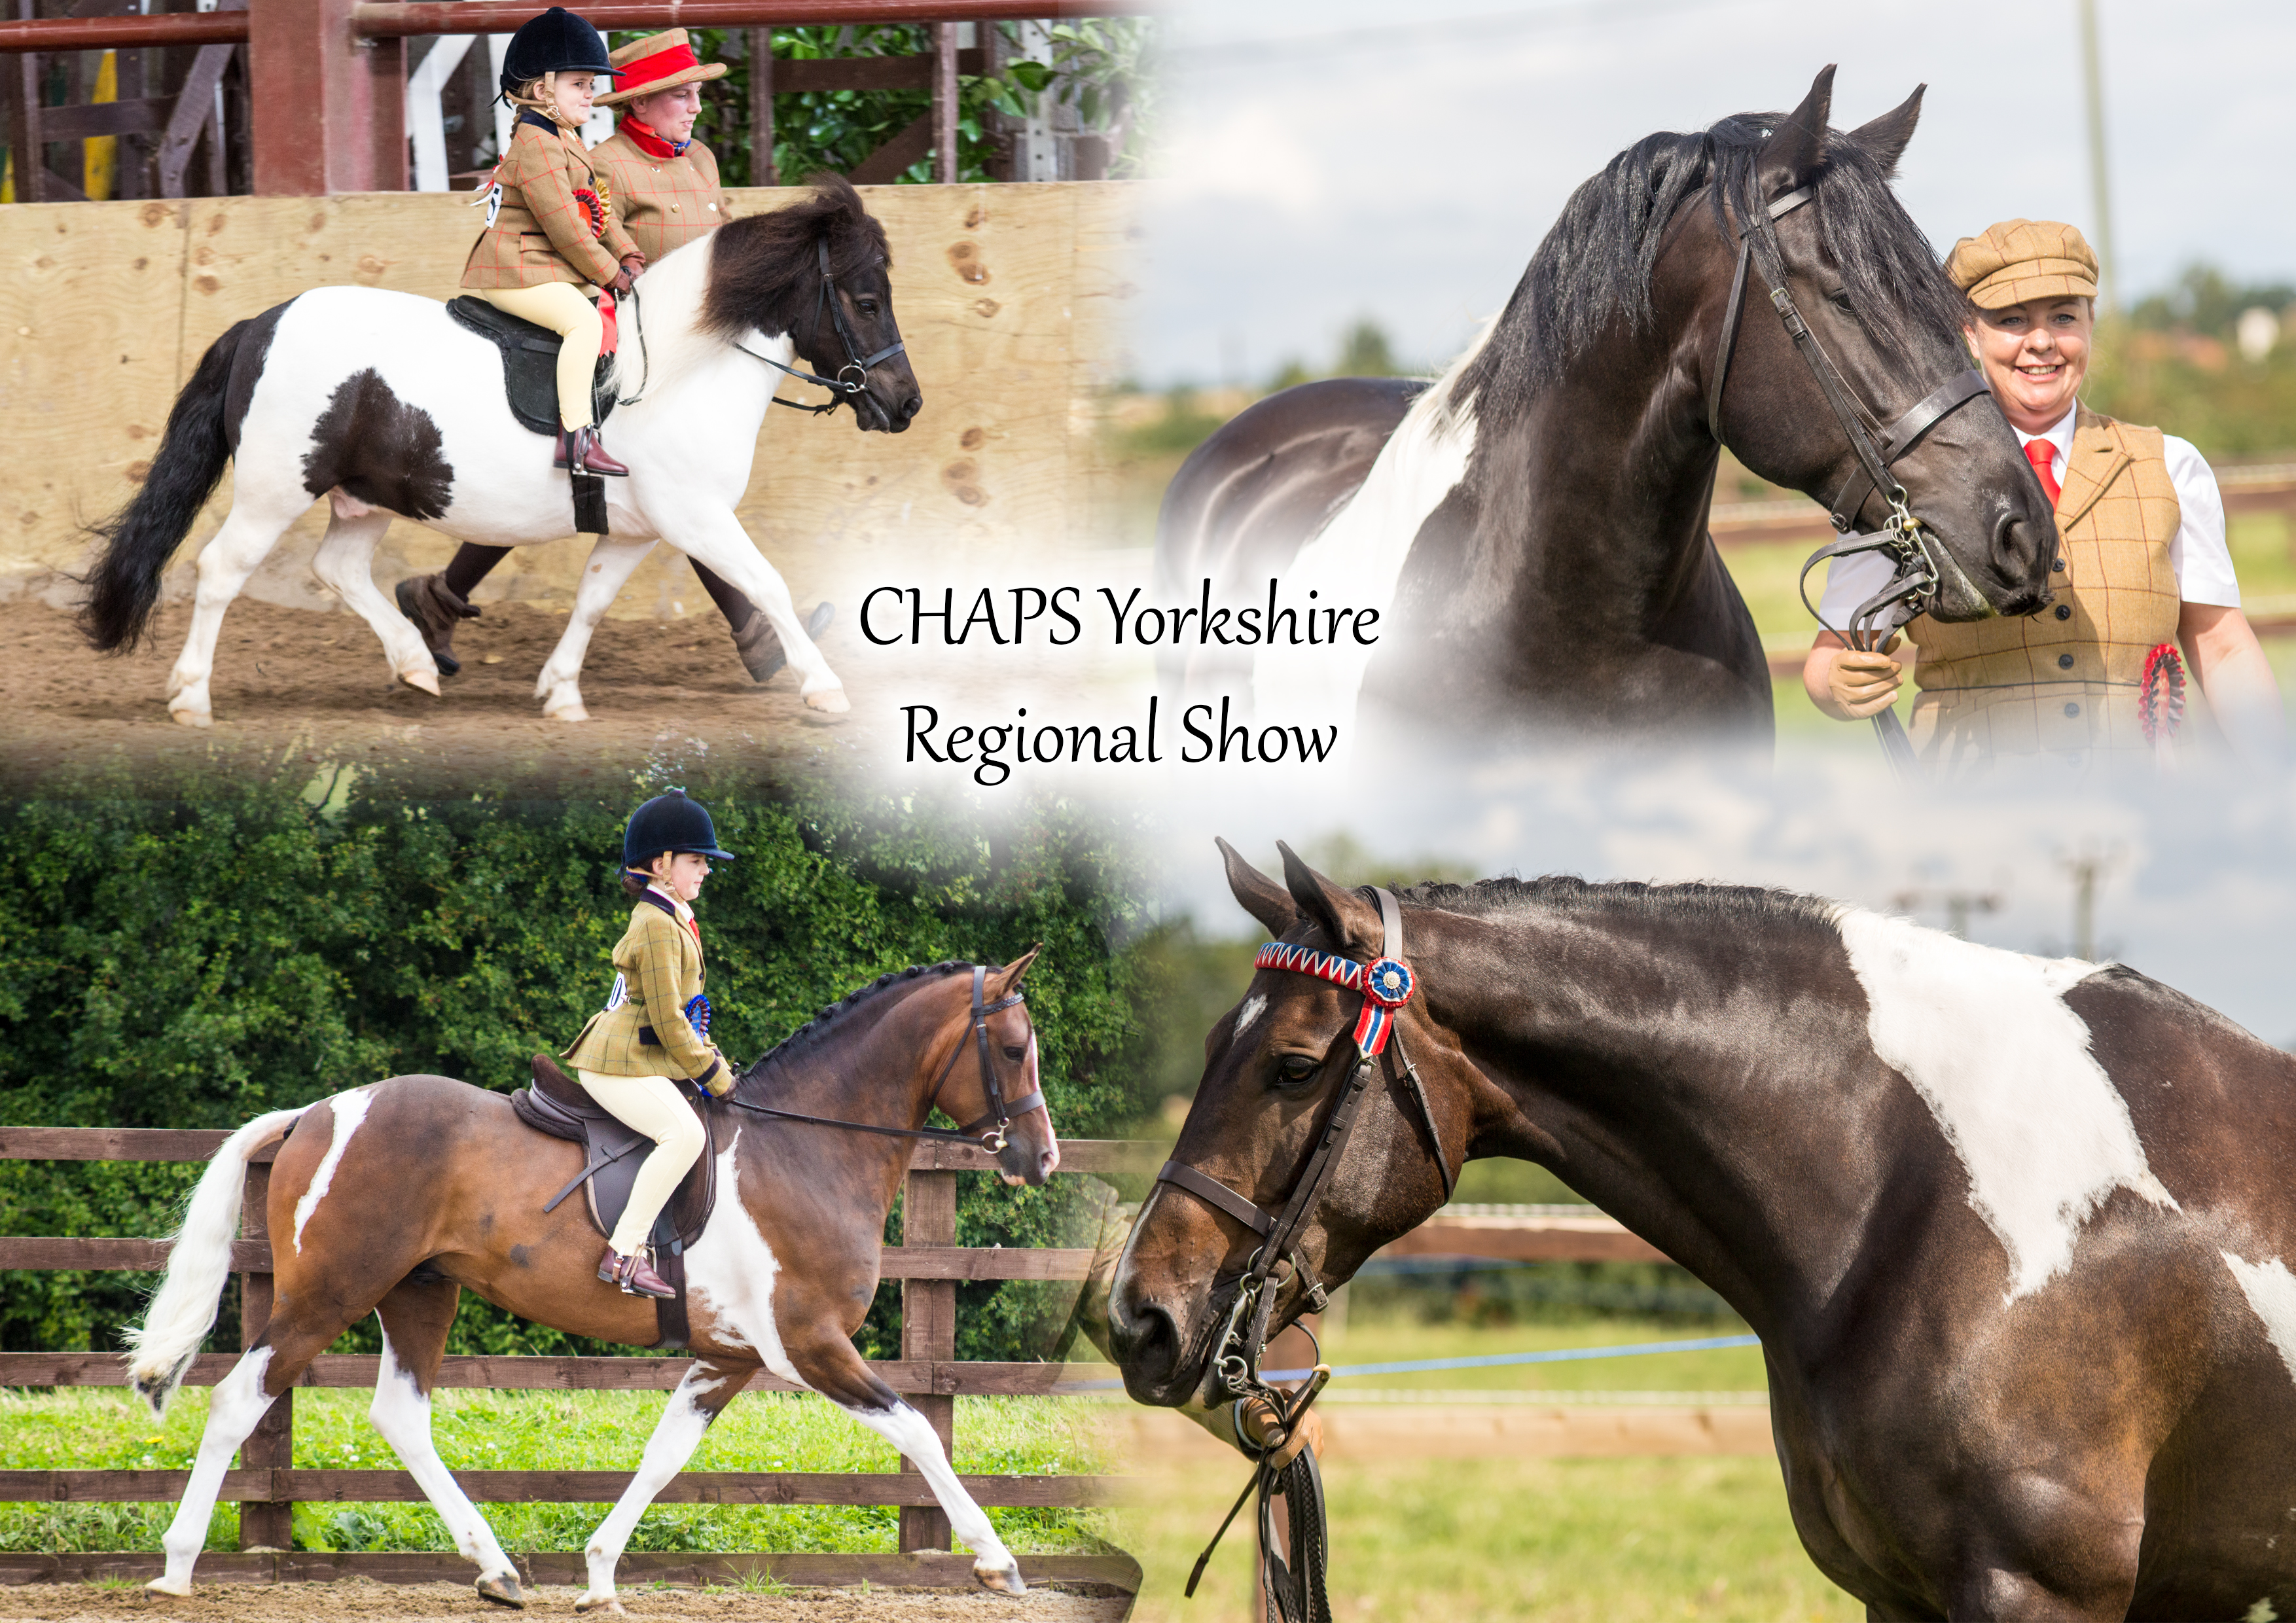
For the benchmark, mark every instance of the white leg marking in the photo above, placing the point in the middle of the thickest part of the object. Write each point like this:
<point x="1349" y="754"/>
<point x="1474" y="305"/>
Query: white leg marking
<point x="346" y="561"/>
<point x="238" y="1405"/>
<point x="729" y="1272"/>
<point x="913" y="1434"/>
<point x="402" y="1413"/>
<point x="349" y="1110"/>
<point x="244" y="541"/>
<point x="560" y="685"/>
<point x="675" y="1438"/>
<point x="1986" y="1039"/>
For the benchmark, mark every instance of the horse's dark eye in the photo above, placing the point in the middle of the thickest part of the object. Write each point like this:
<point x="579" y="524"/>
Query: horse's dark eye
<point x="868" y="306"/>
<point x="1016" y="1054"/>
<point x="1294" y="1069"/>
<point x="1840" y="301"/>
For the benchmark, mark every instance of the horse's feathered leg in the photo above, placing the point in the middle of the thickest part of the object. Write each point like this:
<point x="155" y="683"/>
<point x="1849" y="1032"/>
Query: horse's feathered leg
<point x="559" y="684"/>
<point x="346" y="561"/>
<point x="257" y="521"/>
<point x="830" y="1365"/>
<point x="710" y="1385"/>
<point x="416" y="1318"/>
<point x="711" y="535"/>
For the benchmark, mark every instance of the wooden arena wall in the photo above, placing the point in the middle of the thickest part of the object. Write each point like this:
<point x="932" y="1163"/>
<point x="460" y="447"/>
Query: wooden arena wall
<point x="1010" y="297"/>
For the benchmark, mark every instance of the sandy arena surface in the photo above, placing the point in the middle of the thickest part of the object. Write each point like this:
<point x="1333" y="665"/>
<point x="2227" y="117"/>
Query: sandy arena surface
<point x="373" y="1603"/>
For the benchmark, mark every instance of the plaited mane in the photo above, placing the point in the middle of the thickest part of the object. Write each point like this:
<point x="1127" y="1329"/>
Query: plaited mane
<point x="835" y="1017"/>
<point x="1726" y="905"/>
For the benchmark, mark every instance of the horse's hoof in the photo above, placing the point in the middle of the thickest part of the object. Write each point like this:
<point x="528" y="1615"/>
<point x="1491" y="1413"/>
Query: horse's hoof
<point x="830" y="698"/>
<point x="192" y="718"/>
<point x="572" y="710"/>
<point x="422" y="681"/>
<point x="1005" y="1580"/>
<point x="503" y="1591"/>
<point x="164" y="1585"/>
<point x="608" y="1606"/>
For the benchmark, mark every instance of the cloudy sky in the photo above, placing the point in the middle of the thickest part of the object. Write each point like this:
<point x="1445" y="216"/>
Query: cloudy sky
<point x="1328" y="160"/>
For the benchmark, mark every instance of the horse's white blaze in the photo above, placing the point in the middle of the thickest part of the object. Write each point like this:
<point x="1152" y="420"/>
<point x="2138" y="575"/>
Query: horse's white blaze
<point x="401" y="1413"/>
<point x="1986" y="1040"/>
<point x="675" y="1438"/>
<point x="2271" y="1292"/>
<point x="238" y="1403"/>
<point x="349" y="1110"/>
<point x="1358" y="559"/>
<point x="729" y="1271"/>
<point x="1254" y="1006"/>
<point x="913" y="1434"/>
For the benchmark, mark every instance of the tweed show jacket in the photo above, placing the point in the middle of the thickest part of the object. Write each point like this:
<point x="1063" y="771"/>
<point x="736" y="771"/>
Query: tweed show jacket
<point x="542" y="232"/>
<point x="644" y="1031"/>
<point x="664" y="203"/>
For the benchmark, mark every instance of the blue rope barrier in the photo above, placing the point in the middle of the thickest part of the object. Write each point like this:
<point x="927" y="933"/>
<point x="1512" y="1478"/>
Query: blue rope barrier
<point x="1414" y="1366"/>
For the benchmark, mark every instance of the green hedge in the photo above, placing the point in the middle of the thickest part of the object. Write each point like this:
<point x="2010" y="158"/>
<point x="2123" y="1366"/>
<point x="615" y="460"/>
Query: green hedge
<point x="192" y="961"/>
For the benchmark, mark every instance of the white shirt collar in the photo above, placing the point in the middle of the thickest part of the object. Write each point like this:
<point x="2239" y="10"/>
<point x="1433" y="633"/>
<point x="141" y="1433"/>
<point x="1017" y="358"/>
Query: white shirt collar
<point x="2060" y="435"/>
<point x="678" y="908"/>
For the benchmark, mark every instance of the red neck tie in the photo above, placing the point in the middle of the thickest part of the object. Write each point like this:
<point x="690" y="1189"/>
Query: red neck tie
<point x="2042" y="456"/>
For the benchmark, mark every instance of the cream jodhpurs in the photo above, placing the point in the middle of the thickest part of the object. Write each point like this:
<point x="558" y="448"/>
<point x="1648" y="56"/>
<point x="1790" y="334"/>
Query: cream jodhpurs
<point x="655" y="1108"/>
<point x="561" y="306"/>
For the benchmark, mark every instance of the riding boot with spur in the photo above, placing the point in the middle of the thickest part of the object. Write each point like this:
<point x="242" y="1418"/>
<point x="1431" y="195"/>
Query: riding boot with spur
<point x="761" y="647"/>
<point x="634" y="1276"/>
<point x="579" y="449"/>
<point x="435" y="609"/>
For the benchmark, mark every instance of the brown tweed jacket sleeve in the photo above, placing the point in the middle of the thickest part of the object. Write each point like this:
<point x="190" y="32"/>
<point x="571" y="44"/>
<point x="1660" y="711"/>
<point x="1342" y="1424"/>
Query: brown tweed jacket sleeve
<point x="667" y="202"/>
<point x="659" y="969"/>
<point x="542" y="233"/>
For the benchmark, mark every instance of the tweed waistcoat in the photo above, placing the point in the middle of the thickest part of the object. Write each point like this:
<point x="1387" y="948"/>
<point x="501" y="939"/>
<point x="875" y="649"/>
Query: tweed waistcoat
<point x="663" y="202"/>
<point x="658" y="971"/>
<point x="2065" y="681"/>
<point x="542" y="232"/>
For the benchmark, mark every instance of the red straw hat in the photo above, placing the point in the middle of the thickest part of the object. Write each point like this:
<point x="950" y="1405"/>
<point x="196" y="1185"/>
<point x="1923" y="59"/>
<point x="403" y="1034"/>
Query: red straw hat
<point x="659" y="61"/>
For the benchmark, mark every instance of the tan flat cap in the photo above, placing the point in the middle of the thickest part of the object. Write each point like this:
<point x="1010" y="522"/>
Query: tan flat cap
<point x="2017" y="260"/>
<point x="659" y="61"/>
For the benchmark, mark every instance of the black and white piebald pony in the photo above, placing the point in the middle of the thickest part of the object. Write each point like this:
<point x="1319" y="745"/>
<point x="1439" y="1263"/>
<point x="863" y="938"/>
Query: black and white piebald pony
<point x="2015" y="1232"/>
<point x="1532" y="526"/>
<point x="382" y="405"/>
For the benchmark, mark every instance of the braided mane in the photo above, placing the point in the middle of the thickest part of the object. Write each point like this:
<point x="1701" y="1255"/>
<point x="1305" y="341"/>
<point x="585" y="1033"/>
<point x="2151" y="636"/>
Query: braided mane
<point x="833" y="1018"/>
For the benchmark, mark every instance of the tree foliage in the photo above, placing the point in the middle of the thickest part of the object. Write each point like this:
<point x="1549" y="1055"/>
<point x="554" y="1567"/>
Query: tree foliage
<point x="192" y="962"/>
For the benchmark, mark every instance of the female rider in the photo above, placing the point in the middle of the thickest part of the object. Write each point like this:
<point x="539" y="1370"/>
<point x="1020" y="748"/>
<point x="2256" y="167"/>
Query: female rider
<point x="654" y="1029"/>
<point x="2141" y="558"/>
<point x="551" y="233"/>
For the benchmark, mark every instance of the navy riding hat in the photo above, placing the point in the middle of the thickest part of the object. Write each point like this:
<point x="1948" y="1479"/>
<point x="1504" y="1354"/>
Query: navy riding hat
<point x="557" y="42"/>
<point x="669" y="823"/>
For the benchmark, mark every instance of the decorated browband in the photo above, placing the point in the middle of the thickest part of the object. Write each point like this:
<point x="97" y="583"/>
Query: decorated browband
<point x="1386" y="985"/>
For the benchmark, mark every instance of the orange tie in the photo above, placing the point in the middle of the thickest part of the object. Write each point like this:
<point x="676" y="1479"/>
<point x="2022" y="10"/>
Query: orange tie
<point x="2042" y="456"/>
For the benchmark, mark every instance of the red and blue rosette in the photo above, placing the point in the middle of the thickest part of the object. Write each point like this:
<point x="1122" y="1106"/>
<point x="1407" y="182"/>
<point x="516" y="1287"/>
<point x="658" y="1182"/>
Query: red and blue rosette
<point x="1386" y="984"/>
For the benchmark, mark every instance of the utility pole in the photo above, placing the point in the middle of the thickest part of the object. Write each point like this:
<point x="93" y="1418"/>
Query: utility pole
<point x="1958" y="905"/>
<point x="2093" y="73"/>
<point x="2086" y="869"/>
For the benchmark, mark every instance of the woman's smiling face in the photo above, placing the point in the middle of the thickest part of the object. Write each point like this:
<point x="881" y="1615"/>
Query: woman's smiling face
<point x="2035" y="356"/>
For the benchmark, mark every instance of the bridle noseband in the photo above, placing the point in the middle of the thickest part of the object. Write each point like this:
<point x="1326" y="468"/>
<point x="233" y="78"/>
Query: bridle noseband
<point x="859" y="366"/>
<point x="1914" y="582"/>
<point x="1387" y="983"/>
<point x="987" y="1130"/>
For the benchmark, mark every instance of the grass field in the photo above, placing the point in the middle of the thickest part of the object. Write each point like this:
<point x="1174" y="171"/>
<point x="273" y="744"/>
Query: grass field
<point x="99" y="1429"/>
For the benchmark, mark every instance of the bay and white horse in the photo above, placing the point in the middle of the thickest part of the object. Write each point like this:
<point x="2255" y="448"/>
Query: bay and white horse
<point x="385" y="405"/>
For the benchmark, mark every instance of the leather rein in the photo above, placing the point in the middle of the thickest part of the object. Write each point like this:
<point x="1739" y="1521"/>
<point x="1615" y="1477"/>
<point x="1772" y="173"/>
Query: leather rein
<point x="1914" y="581"/>
<point x="987" y="1131"/>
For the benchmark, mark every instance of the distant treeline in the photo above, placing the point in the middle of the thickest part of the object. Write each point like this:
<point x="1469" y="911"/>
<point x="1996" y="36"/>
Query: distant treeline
<point x="192" y="961"/>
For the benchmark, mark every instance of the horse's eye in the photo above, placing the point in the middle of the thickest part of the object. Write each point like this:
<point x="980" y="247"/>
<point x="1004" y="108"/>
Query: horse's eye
<point x="1840" y="301"/>
<point x="1294" y="1069"/>
<point x="1016" y="1054"/>
<point x="868" y="306"/>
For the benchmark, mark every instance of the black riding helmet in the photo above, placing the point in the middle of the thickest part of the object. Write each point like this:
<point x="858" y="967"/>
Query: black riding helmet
<point x="557" y="42"/>
<point x="669" y="823"/>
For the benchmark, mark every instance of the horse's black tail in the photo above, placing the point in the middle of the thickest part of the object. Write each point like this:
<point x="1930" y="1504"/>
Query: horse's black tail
<point x="124" y="586"/>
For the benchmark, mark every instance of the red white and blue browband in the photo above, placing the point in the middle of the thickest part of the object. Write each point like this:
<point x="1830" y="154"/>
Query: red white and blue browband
<point x="1386" y="984"/>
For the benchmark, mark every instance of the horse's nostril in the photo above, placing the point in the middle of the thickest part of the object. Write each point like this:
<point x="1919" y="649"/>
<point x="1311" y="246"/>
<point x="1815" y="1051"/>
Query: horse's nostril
<point x="911" y="406"/>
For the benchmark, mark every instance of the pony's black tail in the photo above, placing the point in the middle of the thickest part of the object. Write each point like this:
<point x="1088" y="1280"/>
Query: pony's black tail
<point x="138" y="540"/>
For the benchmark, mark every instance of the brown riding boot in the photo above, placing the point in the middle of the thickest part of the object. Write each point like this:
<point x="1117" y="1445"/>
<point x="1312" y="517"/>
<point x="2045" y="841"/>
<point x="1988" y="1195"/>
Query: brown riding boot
<point x="579" y="449"/>
<point x="632" y="1275"/>
<point x="433" y="605"/>
<point x="760" y="647"/>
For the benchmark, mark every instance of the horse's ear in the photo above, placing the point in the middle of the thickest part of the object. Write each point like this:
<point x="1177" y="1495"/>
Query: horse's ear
<point x="1009" y="978"/>
<point x="1795" y="148"/>
<point x="1260" y="896"/>
<point x="1886" y="136"/>
<point x="1345" y="920"/>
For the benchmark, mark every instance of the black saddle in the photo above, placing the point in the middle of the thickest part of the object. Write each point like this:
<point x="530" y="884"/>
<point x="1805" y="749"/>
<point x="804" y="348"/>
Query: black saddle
<point x="612" y="1152"/>
<point x="530" y="355"/>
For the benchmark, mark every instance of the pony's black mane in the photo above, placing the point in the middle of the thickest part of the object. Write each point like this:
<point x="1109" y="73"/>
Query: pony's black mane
<point x="1594" y="268"/>
<point x="822" y="1025"/>
<point x="760" y="262"/>
<point x="1738" y="905"/>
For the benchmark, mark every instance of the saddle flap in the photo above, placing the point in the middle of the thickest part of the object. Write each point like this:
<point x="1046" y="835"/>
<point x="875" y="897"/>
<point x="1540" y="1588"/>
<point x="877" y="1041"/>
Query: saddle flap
<point x="559" y="1105"/>
<point x="530" y="355"/>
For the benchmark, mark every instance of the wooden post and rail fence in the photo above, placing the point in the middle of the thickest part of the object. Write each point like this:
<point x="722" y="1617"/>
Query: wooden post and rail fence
<point x="267" y="1485"/>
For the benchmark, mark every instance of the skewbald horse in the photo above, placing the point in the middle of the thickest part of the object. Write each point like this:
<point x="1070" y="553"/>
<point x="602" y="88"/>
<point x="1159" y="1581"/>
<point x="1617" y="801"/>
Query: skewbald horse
<point x="395" y="1198"/>
<point x="2015" y="1232"/>
<point x="382" y="405"/>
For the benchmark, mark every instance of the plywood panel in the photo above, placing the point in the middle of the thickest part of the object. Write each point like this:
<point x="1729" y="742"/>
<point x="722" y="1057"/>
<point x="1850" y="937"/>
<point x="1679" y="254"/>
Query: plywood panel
<point x="1010" y="297"/>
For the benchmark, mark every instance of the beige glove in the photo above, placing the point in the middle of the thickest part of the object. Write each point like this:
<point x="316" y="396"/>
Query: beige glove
<point x="1864" y="684"/>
